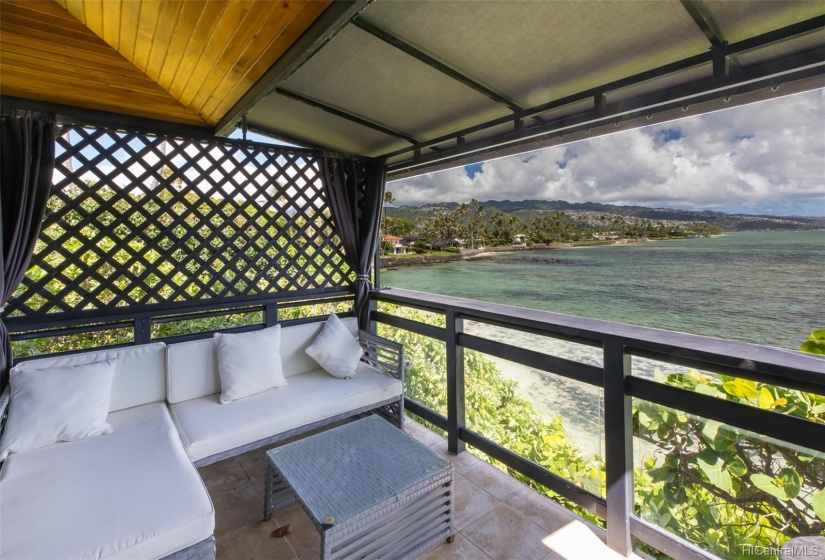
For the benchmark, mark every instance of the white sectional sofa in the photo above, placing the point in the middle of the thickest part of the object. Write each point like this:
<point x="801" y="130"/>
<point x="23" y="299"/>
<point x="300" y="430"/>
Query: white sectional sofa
<point x="136" y="492"/>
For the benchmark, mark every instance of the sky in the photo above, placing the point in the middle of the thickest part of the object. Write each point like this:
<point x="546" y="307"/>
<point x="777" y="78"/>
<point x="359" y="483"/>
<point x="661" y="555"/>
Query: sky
<point x="763" y="158"/>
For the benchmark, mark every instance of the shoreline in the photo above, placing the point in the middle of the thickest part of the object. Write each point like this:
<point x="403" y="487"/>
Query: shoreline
<point x="390" y="262"/>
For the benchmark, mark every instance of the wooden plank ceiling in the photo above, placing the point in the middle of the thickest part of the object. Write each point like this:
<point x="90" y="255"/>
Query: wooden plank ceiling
<point x="186" y="61"/>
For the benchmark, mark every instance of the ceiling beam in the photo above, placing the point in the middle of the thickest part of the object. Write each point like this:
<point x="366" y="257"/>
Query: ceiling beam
<point x="701" y="16"/>
<point x="703" y="19"/>
<point x="444" y="68"/>
<point x="713" y="56"/>
<point x="319" y="34"/>
<point x="765" y="76"/>
<point x="346" y="115"/>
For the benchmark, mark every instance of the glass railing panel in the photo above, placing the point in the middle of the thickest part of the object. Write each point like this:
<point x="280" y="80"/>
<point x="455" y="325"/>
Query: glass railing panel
<point x="231" y="319"/>
<point x="556" y="424"/>
<point x="313" y="310"/>
<point x="582" y="353"/>
<point x="735" y="493"/>
<point x="71" y="342"/>
<point x="428" y="317"/>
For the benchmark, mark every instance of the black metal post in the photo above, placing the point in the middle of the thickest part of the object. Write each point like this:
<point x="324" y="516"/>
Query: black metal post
<point x="270" y="314"/>
<point x="455" y="383"/>
<point x="618" y="435"/>
<point x="143" y="331"/>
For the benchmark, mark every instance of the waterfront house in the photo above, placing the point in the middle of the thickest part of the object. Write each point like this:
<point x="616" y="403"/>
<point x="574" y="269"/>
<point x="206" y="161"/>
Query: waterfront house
<point x="398" y="247"/>
<point x="95" y="94"/>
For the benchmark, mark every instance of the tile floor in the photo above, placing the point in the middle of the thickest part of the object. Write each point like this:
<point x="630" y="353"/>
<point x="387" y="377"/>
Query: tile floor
<point x="497" y="517"/>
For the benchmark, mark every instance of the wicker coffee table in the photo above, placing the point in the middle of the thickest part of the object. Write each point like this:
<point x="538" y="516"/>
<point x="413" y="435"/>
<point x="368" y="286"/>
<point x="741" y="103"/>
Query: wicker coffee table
<point x="371" y="490"/>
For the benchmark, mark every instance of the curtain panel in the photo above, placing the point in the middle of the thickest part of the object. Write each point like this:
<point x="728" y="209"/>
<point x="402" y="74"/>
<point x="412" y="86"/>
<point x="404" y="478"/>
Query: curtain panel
<point x="27" y="147"/>
<point x="355" y="191"/>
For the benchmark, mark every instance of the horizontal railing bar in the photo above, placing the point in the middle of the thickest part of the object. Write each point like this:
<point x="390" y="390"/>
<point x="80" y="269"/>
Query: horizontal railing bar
<point x="560" y="366"/>
<point x="580" y="496"/>
<point x="785" y="428"/>
<point x="188" y="337"/>
<point x="667" y="542"/>
<point x="557" y="336"/>
<point x="97" y="327"/>
<point x="206" y="314"/>
<point x="313" y="319"/>
<point x="417" y="327"/>
<point x="686" y="361"/>
<point x="15" y="324"/>
<point x="742" y="356"/>
<point x="68" y="352"/>
<point x="380" y="293"/>
<point x="425" y="413"/>
<point x="301" y="303"/>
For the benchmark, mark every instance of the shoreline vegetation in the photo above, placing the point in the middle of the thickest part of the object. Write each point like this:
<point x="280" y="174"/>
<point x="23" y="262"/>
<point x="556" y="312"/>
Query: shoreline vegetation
<point x="389" y="262"/>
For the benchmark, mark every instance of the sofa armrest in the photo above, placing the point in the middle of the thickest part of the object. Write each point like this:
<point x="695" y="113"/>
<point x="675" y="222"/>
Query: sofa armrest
<point x="383" y="354"/>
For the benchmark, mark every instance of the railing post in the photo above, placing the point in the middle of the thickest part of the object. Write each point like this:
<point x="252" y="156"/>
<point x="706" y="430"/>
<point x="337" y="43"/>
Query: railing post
<point x="455" y="383"/>
<point x="373" y="305"/>
<point x="618" y="435"/>
<point x="143" y="331"/>
<point x="270" y="314"/>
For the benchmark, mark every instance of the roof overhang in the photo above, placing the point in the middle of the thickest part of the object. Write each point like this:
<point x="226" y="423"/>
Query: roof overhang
<point x="428" y="85"/>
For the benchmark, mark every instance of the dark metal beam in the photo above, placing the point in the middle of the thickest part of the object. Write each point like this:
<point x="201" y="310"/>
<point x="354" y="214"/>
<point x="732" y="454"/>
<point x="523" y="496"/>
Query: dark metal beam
<point x="80" y="116"/>
<point x="765" y="72"/>
<point x="346" y="115"/>
<point x="808" y="65"/>
<point x="705" y="22"/>
<point x="442" y="67"/>
<point x="328" y="24"/>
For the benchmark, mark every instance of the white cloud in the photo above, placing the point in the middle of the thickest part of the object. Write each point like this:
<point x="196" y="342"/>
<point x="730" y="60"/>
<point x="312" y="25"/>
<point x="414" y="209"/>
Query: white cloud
<point x="764" y="158"/>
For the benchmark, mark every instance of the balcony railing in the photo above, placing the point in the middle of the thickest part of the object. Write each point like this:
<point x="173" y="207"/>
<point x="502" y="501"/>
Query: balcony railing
<point x="618" y="386"/>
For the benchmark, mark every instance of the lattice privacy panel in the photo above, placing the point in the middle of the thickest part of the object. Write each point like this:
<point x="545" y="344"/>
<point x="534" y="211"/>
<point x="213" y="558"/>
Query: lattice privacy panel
<point x="137" y="220"/>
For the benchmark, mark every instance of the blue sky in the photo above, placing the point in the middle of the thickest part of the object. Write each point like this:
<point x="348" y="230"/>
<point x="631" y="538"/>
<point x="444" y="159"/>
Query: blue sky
<point x="764" y="158"/>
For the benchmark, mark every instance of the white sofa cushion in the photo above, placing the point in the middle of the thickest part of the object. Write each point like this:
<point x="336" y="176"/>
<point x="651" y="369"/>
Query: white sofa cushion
<point x="335" y="349"/>
<point x="132" y="494"/>
<point x="249" y="363"/>
<point x="193" y="366"/>
<point x="57" y="404"/>
<point x="140" y="372"/>
<point x="208" y="428"/>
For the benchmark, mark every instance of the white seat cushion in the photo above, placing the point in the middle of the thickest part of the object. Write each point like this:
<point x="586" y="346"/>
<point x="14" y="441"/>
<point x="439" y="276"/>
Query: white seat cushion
<point x="132" y="494"/>
<point x="208" y="428"/>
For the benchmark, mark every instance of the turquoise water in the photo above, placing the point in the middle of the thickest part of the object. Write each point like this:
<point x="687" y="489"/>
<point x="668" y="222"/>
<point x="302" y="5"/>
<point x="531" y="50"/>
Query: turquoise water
<point x="761" y="287"/>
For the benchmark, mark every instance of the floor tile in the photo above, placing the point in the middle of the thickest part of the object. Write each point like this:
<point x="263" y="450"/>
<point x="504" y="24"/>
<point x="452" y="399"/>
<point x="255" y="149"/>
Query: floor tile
<point x="238" y="508"/>
<point x="460" y="549"/>
<point x="423" y="435"/>
<point x="460" y="462"/>
<point x="254" y="542"/>
<point x="577" y="540"/>
<point x="304" y="538"/>
<point x="223" y="476"/>
<point x="494" y="481"/>
<point x="471" y="502"/>
<point x="540" y="509"/>
<point x="504" y="534"/>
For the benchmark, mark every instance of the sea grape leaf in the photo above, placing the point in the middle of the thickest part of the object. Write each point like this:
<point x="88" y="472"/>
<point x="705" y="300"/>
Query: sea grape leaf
<point x="718" y="436"/>
<point x="711" y="390"/>
<point x="736" y="466"/>
<point x="742" y="388"/>
<point x="714" y="468"/>
<point x="786" y="486"/>
<point x="818" y="503"/>
<point x="765" y="398"/>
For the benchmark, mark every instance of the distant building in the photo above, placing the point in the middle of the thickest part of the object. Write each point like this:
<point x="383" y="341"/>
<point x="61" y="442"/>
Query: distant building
<point x="398" y="247"/>
<point x="519" y="239"/>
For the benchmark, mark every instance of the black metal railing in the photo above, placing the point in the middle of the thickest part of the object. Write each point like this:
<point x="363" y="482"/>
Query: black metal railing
<point x="619" y="343"/>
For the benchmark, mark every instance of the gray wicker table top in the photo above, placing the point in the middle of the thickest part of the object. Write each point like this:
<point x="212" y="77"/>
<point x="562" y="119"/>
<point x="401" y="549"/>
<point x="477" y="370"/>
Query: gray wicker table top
<point x="343" y="472"/>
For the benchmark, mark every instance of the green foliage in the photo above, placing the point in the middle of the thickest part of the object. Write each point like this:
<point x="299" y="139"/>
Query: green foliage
<point x="716" y="485"/>
<point x="815" y="343"/>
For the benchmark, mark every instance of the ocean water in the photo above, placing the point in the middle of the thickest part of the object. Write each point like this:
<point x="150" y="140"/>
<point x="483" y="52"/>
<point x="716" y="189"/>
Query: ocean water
<point x="762" y="287"/>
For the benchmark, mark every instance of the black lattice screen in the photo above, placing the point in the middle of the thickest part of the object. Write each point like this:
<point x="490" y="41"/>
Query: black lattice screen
<point x="139" y="220"/>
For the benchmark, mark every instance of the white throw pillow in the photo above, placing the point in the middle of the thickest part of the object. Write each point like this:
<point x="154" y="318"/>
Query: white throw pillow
<point x="335" y="349"/>
<point x="57" y="404"/>
<point x="249" y="363"/>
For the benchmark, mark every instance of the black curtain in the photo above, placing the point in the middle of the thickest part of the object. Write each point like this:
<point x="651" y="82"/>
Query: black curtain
<point x="355" y="190"/>
<point x="26" y="166"/>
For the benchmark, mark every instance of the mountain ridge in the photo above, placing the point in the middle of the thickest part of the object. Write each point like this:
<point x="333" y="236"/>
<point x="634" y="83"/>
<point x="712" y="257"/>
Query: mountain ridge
<point x="726" y="221"/>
